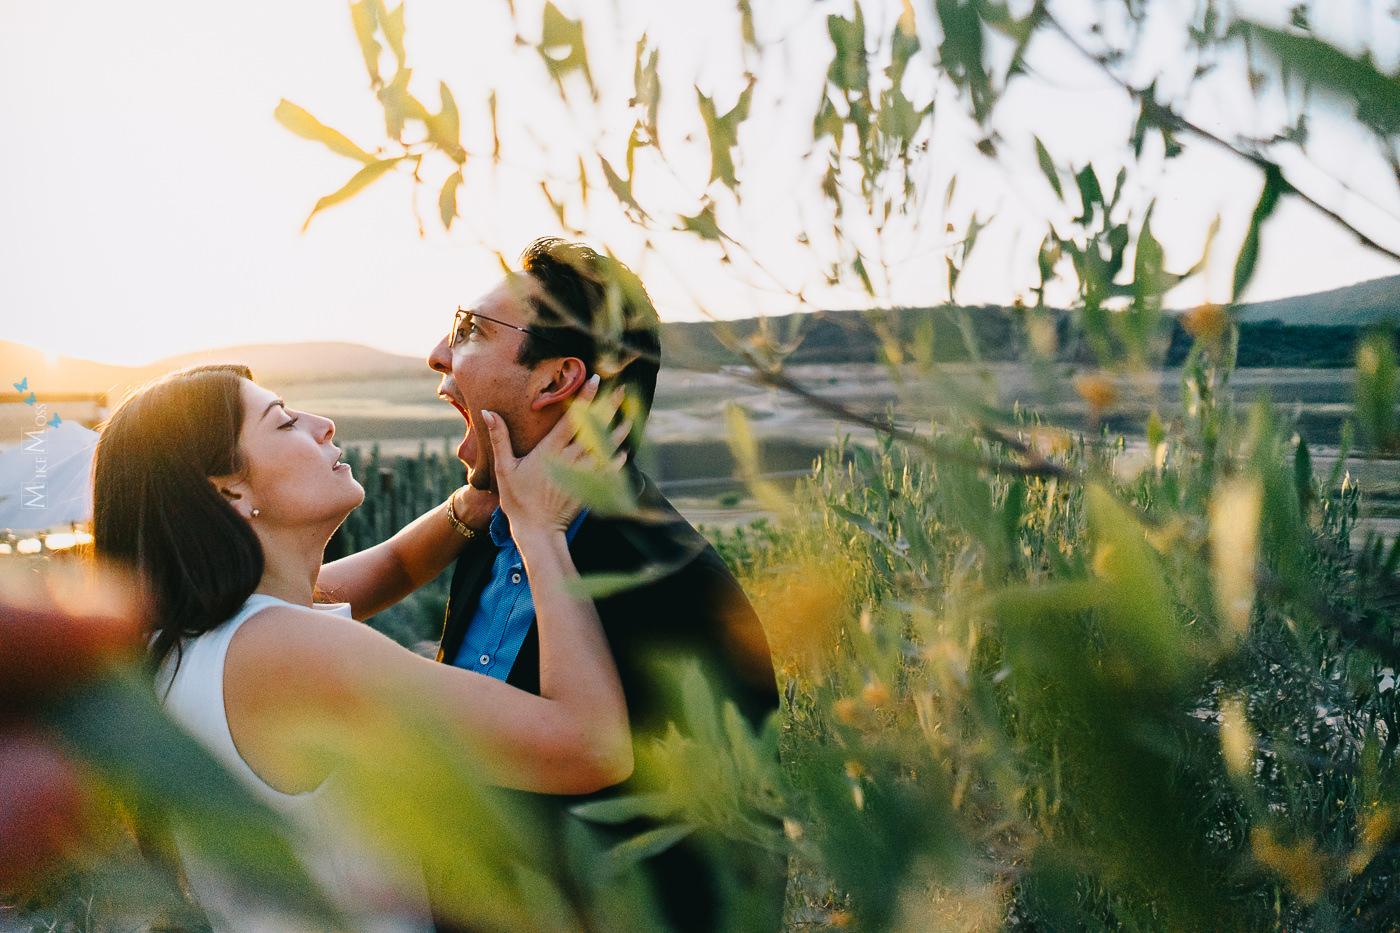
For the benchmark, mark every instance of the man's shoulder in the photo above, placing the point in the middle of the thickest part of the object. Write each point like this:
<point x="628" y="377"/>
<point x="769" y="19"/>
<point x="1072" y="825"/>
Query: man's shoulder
<point x="656" y="535"/>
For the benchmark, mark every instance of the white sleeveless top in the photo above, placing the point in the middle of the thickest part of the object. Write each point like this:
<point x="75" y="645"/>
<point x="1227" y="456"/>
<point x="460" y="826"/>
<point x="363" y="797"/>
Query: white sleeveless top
<point x="375" y="896"/>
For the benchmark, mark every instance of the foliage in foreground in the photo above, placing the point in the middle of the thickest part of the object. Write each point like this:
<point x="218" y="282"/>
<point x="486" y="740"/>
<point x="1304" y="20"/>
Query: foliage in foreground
<point x="1038" y="703"/>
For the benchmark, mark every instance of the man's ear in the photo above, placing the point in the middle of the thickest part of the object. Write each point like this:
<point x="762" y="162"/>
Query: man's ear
<point x="566" y="375"/>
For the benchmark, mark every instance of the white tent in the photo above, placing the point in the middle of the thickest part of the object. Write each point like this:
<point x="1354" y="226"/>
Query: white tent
<point x="46" y="479"/>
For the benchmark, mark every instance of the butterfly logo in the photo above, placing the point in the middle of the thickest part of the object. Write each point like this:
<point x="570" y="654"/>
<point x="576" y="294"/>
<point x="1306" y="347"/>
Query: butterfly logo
<point x="55" y="421"/>
<point x="22" y="385"/>
<point x="30" y="400"/>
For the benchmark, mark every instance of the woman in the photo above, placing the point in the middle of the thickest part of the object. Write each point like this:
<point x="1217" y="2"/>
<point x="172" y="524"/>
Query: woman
<point x="225" y="499"/>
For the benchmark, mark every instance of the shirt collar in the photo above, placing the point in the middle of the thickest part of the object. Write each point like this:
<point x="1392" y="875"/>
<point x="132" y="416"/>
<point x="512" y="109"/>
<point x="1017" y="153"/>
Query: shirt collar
<point x="500" y="528"/>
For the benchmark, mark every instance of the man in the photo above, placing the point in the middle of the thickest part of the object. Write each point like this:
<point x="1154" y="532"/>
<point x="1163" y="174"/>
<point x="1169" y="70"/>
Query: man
<point x="524" y="351"/>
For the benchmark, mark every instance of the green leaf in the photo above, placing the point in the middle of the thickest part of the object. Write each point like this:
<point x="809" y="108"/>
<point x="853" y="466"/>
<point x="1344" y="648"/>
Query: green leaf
<point x="495" y="127"/>
<point x="828" y="122"/>
<point x="627" y="807"/>
<point x="1275" y="186"/>
<point x="621" y="188"/>
<point x="447" y="199"/>
<point x="1303" y="474"/>
<point x="904" y="44"/>
<point x="647" y="86"/>
<point x="392" y="25"/>
<point x="354" y="186"/>
<point x="365" y="16"/>
<point x="703" y="224"/>
<point x="1322" y="64"/>
<point x="961" y="54"/>
<point x="1047" y="166"/>
<point x="724" y="134"/>
<point x="848" y="69"/>
<point x="1090" y="194"/>
<point x="1149" y="280"/>
<point x="308" y="127"/>
<point x="741" y="440"/>
<point x="399" y="105"/>
<point x="639" y="848"/>
<point x="898" y="120"/>
<point x="444" y="128"/>
<point x="1378" y="390"/>
<point x="859" y="265"/>
<point x="746" y="30"/>
<point x="561" y="45"/>
<point x="1343" y="452"/>
<point x="120" y="733"/>
<point x="600" y="585"/>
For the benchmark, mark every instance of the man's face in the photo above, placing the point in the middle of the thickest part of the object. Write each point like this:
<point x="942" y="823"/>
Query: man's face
<point x="480" y="372"/>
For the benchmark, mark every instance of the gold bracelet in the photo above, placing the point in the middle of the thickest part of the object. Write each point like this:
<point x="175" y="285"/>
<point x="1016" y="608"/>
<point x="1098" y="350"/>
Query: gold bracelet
<point x="458" y="525"/>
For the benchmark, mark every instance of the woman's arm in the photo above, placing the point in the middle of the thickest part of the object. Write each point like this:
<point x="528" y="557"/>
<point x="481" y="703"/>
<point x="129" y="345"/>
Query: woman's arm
<point x="377" y="577"/>
<point x="293" y="673"/>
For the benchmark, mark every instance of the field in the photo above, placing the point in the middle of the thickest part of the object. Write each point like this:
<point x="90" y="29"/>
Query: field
<point x="689" y="451"/>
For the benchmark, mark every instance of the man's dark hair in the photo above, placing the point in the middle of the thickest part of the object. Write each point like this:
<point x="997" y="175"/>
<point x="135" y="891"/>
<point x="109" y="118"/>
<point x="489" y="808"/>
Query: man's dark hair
<point x="596" y="309"/>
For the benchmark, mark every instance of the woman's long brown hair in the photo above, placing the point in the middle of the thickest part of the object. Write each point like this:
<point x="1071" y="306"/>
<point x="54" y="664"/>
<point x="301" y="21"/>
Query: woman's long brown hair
<point x="155" y="509"/>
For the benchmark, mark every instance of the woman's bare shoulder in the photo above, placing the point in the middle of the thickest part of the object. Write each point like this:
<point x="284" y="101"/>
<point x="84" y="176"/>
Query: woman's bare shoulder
<point x="297" y="649"/>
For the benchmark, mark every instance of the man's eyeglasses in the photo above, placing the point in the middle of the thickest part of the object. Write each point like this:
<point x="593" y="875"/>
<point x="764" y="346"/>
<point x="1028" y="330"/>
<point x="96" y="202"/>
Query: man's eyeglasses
<point x="463" y="320"/>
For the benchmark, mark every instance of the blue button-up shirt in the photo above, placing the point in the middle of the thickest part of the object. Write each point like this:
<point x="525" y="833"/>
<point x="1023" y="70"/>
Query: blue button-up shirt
<point x="506" y="611"/>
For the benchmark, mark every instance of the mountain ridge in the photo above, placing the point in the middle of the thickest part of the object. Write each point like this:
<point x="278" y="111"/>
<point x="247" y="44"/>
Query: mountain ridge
<point x="831" y="336"/>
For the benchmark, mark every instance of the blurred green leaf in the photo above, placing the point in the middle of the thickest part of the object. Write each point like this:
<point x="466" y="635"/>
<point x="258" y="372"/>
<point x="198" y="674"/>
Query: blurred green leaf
<point x="858" y="264"/>
<point x="119" y="731"/>
<point x="703" y="223"/>
<point x="562" y="47"/>
<point x="640" y="847"/>
<point x="447" y="199"/>
<point x="961" y="54"/>
<point x="365" y="15"/>
<point x="1378" y="389"/>
<point x="724" y="134"/>
<point x="1322" y="64"/>
<point x="621" y="188"/>
<point x="392" y="26"/>
<point x="647" y="86"/>
<point x="848" y="70"/>
<point x="1274" y="188"/>
<point x="1047" y="166"/>
<point x="1090" y="195"/>
<point x="308" y="127"/>
<point x="354" y="186"/>
<point x="444" y="128"/>
<point x="627" y="807"/>
<point x="746" y="31"/>
<point x="399" y="105"/>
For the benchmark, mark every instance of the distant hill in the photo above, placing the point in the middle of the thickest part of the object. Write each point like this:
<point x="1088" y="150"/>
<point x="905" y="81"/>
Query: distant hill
<point x="1312" y="330"/>
<point x="63" y="374"/>
<point x="274" y="359"/>
<point x="1358" y="305"/>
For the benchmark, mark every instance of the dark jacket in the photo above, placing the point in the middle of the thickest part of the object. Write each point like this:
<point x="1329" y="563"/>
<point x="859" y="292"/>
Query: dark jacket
<point x="689" y="607"/>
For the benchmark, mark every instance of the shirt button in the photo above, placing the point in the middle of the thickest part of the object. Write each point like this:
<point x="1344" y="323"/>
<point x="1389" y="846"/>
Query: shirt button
<point x="485" y="659"/>
<point x="515" y="578"/>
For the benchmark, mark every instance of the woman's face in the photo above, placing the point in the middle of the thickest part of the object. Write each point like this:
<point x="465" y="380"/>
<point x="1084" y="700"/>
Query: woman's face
<point x="292" y="472"/>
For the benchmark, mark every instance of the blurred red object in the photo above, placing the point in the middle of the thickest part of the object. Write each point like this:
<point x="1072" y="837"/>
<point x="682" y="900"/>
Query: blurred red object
<point x="60" y="626"/>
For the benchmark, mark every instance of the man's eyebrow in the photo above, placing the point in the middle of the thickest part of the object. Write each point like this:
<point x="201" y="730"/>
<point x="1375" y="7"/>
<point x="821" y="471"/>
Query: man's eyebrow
<point x="271" y="405"/>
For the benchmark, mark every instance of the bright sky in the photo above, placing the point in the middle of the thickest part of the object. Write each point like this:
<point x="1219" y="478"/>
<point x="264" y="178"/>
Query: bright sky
<point x="151" y="205"/>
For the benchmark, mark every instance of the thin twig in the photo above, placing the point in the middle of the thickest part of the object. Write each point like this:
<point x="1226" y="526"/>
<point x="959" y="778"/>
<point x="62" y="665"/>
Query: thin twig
<point x="778" y="379"/>
<point x="1167" y="115"/>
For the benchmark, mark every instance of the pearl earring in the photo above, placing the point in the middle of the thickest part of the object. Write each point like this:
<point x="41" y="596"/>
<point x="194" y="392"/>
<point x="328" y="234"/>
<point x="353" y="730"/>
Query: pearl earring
<point x="257" y="512"/>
